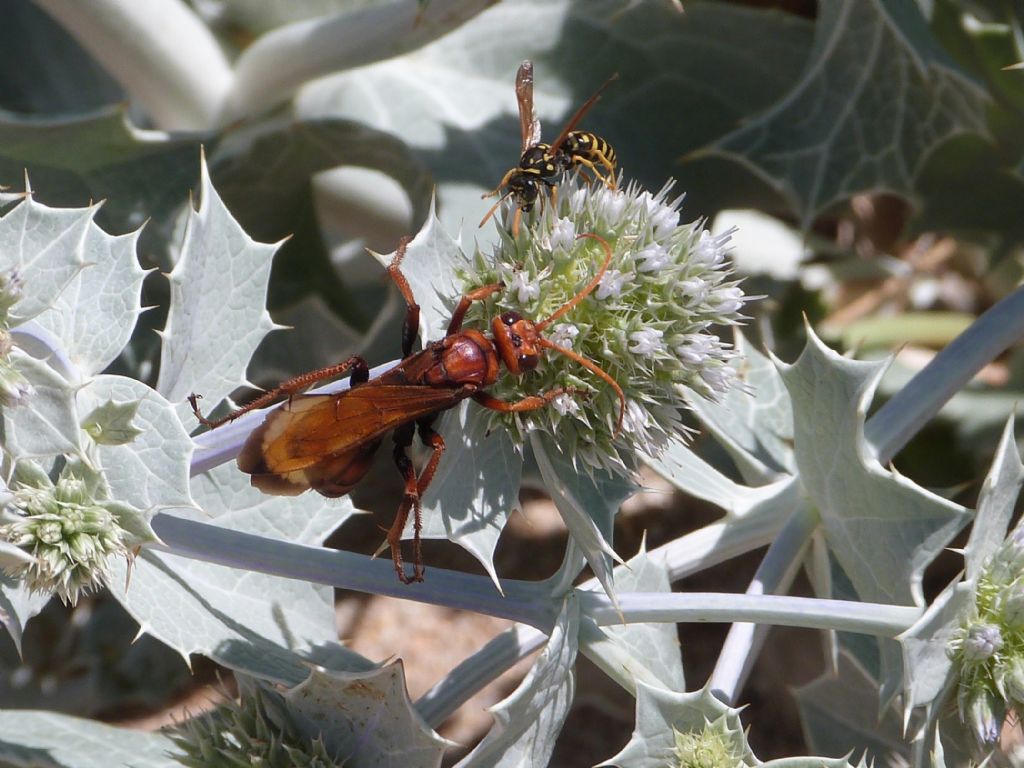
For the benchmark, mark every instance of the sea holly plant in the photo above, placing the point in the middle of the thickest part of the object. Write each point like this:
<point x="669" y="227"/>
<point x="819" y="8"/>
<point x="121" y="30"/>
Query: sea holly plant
<point x="111" y="490"/>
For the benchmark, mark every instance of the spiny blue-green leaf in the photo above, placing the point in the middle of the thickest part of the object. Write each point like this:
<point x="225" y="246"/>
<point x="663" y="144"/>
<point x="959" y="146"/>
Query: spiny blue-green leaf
<point x="840" y="714"/>
<point x="587" y="503"/>
<point x="218" y="310"/>
<point x="430" y="263"/>
<point x="44" y="247"/>
<point x="366" y="717"/>
<point x="527" y="723"/>
<point x="928" y="669"/>
<point x="476" y="486"/>
<point x="43" y="421"/>
<point x="883" y="529"/>
<point x="877" y="97"/>
<point x="45" y="739"/>
<point x="150" y="472"/>
<point x="995" y="503"/>
<point x="267" y="626"/>
<point x="94" y="315"/>
<point x="18" y="604"/>
<point x="634" y="653"/>
<point x="665" y="718"/>
<point x="754" y="419"/>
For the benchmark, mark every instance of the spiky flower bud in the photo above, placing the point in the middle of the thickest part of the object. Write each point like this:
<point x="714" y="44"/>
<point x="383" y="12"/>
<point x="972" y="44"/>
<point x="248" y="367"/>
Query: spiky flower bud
<point x="983" y="713"/>
<point x="256" y="730"/>
<point x="982" y="642"/>
<point x="70" y="535"/>
<point x="648" y="323"/>
<point x="714" y="746"/>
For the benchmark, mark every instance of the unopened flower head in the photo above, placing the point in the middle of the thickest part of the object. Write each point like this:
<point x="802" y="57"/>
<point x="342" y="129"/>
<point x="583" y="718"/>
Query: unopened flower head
<point x="257" y="730"/>
<point x="716" y="745"/>
<point x="988" y="648"/>
<point x="70" y="536"/>
<point x="648" y="322"/>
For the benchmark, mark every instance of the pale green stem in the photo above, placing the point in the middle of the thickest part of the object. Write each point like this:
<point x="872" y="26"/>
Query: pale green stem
<point x="903" y="416"/>
<point x="525" y="602"/>
<point x="774" y="576"/>
<point x="703" y="607"/>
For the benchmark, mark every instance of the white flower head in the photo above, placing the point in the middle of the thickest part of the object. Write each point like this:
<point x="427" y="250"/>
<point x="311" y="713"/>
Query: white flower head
<point x="727" y="300"/>
<point x="525" y="288"/>
<point x="653" y="258"/>
<point x="564" y="334"/>
<point x="611" y="285"/>
<point x="695" y="290"/>
<point x="664" y="221"/>
<point x="634" y="418"/>
<point x="566" y="405"/>
<point x="647" y="342"/>
<point x="719" y="378"/>
<point x="561" y="237"/>
<point x="710" y="250"/>
<point x="610" y="204"/>
<point x="696" y="349"/>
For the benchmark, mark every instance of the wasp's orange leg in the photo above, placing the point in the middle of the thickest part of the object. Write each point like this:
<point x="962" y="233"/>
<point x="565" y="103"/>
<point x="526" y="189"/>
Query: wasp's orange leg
<point x="411" y="324"/>
<point x="501" y="184"/>
<point x="479" y="294"/>
<point x="414" y="490"/>
<point x="531" y="403"/>
<point x="360" y="373"/>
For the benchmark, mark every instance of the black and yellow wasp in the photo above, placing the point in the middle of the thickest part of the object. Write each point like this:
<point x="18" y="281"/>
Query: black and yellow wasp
<point x="542" y="165"/>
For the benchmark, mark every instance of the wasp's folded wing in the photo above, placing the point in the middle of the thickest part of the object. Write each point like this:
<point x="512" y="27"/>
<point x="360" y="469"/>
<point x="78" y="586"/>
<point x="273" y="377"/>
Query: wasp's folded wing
<point x="313" y="429"/>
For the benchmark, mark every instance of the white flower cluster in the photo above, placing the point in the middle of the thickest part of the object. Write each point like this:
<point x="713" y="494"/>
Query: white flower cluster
<point x="651" y="322"/>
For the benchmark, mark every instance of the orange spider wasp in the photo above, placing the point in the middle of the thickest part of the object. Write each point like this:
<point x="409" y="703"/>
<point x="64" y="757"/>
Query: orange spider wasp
<point x="326" y="441"/>
<point x="542" y="165"/>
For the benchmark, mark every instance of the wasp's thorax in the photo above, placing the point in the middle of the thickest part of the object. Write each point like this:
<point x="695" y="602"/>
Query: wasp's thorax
<point x="517" y="342"/>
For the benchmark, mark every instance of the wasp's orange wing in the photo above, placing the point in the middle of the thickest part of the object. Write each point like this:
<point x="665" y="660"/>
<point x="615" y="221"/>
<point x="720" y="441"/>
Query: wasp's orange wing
<point x="578" y="115"/>
<point x="529" y="125"/>
<point x="316" y="436"/>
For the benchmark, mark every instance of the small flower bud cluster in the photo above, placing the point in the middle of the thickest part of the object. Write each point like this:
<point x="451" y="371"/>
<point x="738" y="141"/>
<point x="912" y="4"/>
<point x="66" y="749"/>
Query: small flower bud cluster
<point x="714" y="746"/>
<point x="989" y="646"/>
<point x="253" y="731"/>
<point x="69" y="534"/>
<point x="649" y="323"/>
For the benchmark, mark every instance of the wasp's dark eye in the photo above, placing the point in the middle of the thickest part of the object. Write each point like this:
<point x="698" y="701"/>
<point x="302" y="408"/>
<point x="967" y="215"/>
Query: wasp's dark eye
<point x="528" y="362"/>
<point x="511" y="318"/>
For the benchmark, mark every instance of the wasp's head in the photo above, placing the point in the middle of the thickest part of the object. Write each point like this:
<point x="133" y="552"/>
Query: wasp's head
<point x="516" y="341"/>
